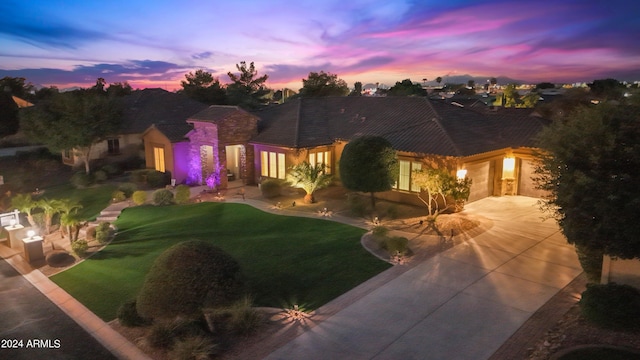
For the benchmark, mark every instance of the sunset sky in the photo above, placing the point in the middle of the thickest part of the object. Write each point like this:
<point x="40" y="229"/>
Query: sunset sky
<point x="155" y="43"/>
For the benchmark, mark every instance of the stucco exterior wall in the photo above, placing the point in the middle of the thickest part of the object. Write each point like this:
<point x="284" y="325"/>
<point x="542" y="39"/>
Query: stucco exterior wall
<point x="621" y="271"/>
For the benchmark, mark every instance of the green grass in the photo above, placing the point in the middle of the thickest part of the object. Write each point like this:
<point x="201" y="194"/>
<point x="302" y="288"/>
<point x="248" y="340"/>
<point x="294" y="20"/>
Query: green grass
<point x="285" y="260"/>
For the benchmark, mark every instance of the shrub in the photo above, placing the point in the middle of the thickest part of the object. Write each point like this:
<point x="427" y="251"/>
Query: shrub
<point x="157" y="179"/>
<point x="103" y="232"/>
<point x="139" y="197"/>
<point x="139" y="176"/>
<point x="238" y="318"/>
<point x="271" y="188"/>
<point x="80" y="247"/>
<point x="128" y="315"/>
<point x="164" y="333"/>
<point x="59" y="259"/>
<point x="196" y="347"/>
<point x="183" y="194"/>
<point x="128" y="189"/>
<point x="81" y="179"/>
<point x="187" y="277"/>
<point x="163" y="197"/>
<point x="379" y="232"/>
<point x="100" y="176"/>
<point x="612" y="306"/>
<point x="111" y="169"/>
<point x="118" y="196"/>
<point x="91" y="233"/>
<point x="396" y="245"/>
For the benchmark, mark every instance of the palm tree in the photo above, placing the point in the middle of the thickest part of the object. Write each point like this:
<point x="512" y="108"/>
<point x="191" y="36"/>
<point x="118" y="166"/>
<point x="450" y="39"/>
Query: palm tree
<point x="309" y="178"/>
<point x="68" y="217"/>
<point x="25" y="203"/>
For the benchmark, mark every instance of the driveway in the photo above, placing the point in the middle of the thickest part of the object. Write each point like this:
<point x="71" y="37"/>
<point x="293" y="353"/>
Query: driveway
<point x="461" y="304"/>
<point x="32" y="327"/>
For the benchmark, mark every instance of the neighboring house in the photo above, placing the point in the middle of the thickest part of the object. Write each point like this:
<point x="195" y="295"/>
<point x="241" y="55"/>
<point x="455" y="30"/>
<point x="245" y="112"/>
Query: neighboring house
<point x="140" y="110"/>
<point x="494" y="147"/>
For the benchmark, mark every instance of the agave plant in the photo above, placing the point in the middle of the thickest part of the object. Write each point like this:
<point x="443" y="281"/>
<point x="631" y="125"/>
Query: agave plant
<point x="309" y="178"/>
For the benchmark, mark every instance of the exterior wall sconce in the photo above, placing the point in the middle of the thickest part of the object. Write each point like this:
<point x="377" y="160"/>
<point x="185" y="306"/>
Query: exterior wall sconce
<point x="508" y="175"/>
<point x="461" y="174"/>
<point x="508" y="167"/>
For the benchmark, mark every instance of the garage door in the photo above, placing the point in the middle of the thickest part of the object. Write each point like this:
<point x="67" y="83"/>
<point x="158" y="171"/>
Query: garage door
<point x="526" y="185"/>
<point x="481" y="175"/>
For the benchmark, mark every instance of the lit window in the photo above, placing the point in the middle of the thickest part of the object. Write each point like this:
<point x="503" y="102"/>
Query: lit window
<point x="272" y="164"/>
<point x="404" y="179"/>
<point x="158" y="156"/>
<point x="321" y="157"/>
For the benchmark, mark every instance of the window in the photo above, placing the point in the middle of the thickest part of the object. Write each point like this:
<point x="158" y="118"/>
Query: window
<point x="321" y="157"/>
<point x="404" y="179"/>
<point x="113" y="146"/>
<point x="272" y="164"/>
<point x="158" y="156"/>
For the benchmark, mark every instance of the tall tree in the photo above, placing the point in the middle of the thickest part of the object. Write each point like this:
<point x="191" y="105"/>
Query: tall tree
<point x="610" y="89"/>
<point x="202" y="86"/>
<point x="439" y="80"/>
<point x="75" y="120"/>
<point x="247" y="89"/>
<point x="9" y="120"/>
<point x="357" y="89"/>
<point x="17" y="86"/>
<point x="369" y="164"/>
<point x="119" y="89"/>
<point x="323" y="84"/>
<point x="406" y="88"/>
<point x="591" y="170"/>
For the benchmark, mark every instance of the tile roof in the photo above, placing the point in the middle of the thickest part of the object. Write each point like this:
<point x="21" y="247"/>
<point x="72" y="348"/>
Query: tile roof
<point x="142" y="108"/>
<point x="216" y="113"/>
<point x="174" y="132"/>
<point x="411" y="124"/>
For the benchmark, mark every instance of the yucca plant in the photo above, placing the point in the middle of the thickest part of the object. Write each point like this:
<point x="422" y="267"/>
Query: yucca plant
<point x="309" y="178"/>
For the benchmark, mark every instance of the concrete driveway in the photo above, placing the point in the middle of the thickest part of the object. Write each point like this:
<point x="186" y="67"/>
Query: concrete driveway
<point x="461" y="304"/>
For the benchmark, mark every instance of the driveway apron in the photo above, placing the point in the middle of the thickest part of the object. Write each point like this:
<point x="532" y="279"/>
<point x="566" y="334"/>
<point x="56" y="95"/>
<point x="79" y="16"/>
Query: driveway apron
<point x="461" y="304"/>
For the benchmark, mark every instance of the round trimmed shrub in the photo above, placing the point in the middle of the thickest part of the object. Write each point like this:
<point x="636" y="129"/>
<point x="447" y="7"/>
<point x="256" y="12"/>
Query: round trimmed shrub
<point x="612" y="306"/>
<point x="128" y="189"/>
<point x="163" y="197"/>
<point x="128" y="315"/>
<point x="186" y="278"/>
<point x="183" y="194"/>
<point x="59" y="259"/>
<point x="270" y="188"/>
<point x="103" y="232"/>
<point x="118" y="196"/>
<point x="80" y="247"/>
<point x="139" y="197"/>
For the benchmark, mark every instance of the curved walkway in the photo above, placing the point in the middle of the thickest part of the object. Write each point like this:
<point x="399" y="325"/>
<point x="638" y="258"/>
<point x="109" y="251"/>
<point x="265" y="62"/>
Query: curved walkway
<point x="463" y="303"/>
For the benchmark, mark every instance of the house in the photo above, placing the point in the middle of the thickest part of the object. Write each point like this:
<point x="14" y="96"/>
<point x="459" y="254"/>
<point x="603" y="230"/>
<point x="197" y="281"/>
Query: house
<point x="212" y="142"/>
<point x="140" y="110"/>
<point x="494" y="147"/>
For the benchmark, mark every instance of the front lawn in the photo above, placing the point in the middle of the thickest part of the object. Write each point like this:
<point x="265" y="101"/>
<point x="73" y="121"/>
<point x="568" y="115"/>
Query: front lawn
<point x="286" y="260"/>
<point x="93" y="199"/>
